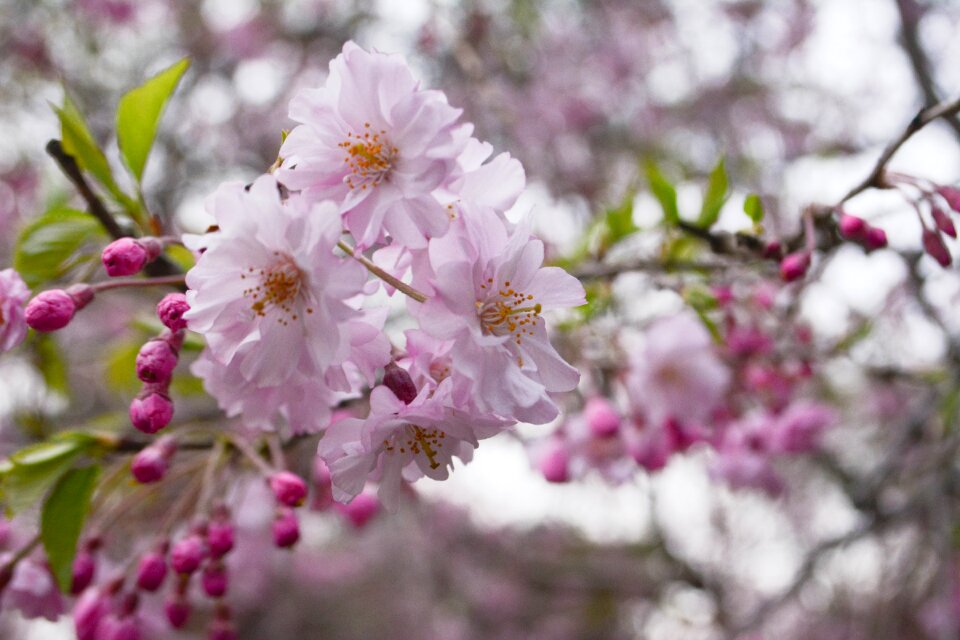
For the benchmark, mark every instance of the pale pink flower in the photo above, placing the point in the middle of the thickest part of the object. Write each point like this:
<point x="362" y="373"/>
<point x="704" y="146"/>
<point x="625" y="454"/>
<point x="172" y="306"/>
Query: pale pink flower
<point x="33" y="591"/>
<point x="398" y="442"/>
<point x="270" y="296"/>
<point x="376" y="143"/>
<point x="678" y="373"/>
<point x="488" y="292"/>
<point x="13" y="297"/>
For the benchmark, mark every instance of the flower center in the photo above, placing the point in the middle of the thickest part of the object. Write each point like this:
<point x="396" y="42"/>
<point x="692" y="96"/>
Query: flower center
<point x="369" y="157"/>
<point x="419" y="440"/>
<point x="279" y="285"/>
<point x="507" y="312"/>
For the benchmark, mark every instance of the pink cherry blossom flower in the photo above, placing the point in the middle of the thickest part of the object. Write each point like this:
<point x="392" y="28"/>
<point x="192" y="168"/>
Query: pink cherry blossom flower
<point x="376" y="143"/>
<point x="13" y="297"/>
<point x="678" y="373"/>
<point x="402" y="442"/>
<point x="33" y="591"/>
<point x="488" y="293"/>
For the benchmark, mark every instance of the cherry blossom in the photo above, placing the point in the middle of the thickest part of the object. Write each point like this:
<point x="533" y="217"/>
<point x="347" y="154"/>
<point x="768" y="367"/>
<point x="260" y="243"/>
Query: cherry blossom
<point x="13" y="296"/>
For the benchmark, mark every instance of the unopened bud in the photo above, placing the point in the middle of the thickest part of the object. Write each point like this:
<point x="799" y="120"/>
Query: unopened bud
<point x="156" y="361"/>
<point x="170" y="310"/>
<point x="951" y="195"/>
<point x="852" y="227"/>
<point x="119" y="628"/>
<point x="214" y="579"/>
<point x="220" y="537"/>
<point x="177" y="610"/>
<point x="288" y="488"/>
<point x="127" y="256"/>
<point x="943" y="221"/>
<point x="152" y="571"/>
<point x="875" y="238"/>
<point x="360" y="510"/>
<point x="84" y="569"/>
<point x="187" y="554"/>
<point x="89" y="611"/>
<point x="602" y="419"/>
<point x="933" y="244"/>
<point x="151" y="411"/>
<point x="286" y="529"/>
<point x="400" y="382"/>
<point x="555" y="462"/>
<point x="54" y="309"/>
<point x="794" y="266"/>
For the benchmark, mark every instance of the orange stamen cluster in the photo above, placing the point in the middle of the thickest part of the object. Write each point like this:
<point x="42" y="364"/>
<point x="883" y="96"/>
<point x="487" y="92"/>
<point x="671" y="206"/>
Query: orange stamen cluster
<point x="369" y="156"/>
<point x="279" y="285"/>
<point x="419" y="440"/>
<point x="507" y="311"/>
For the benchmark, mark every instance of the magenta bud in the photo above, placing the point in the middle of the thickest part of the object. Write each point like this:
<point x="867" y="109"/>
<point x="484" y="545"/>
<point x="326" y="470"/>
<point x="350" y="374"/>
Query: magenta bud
<point x="50" y="310"/>
<point x="84" y="569"/>
<point x="772" y="250"/>
<point x="149" y="465"/>
<point x="114" y="628"/>
<point x="152" y="571"/>
<point x="89" y="611"/>
<point x="875" y="238"/>
<point x="220" y="538"/>
<point x="555" y="462"/>
<point x="400" y="382"/>
<point x="360" y="510"/>
<point x="952" y="196"/>
<point x="322" y="486"/>
<point x="602" y="419"/>
<point x="178" y="611"/>
<point x="127" y="256"/>
<point x="286" y="529"/>
<point x="933" y="244"/>
<point x="214" y="579"/>
<point x="852" y="227"/>
<point x="170" y="310"/>
<point x="943" y="221"/>
<point x="151" y="411"/>
<point x="288" y="488"/>
<point x="156" y="361"/>
<point x="794" y="266"/>
<point x="187" y="554"/>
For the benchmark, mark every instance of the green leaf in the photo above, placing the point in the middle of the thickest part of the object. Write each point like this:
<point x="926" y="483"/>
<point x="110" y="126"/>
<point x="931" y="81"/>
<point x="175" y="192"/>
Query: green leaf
<point x="619" y="221"/>
<point x="122" y="367"/>
<point x="753" y="207"/>
<point x="36" y="468"/>
<point x="139" y="114"/>
<point x="62" y="520"/>
<point x="664" y="192"/>
<point x="181" y="256"/>
<point x="714" y="197"/>
<point x="50" y="361"/>
<point x="45" y="246"/>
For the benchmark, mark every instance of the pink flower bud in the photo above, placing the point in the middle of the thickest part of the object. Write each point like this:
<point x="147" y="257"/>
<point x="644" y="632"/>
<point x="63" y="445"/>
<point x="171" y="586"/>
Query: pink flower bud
<point x="288" y="488"/>
<point x="875" y="238"/>
<point x="170" y="310"/>
<point x="220" y="538"/>
<point x="555" y="462"/>
<point x="127" y="256"/>
<point x="50" y="310"/>
<point x="151" y="571"/>
<point x="852" y="227"/>
<point x="187" y="554"/>
<point x="151" y="411"/>
<point x="286" y="529"/>
<point x="360" y="510"/>
<point x="178" y="611"/>
<point x="322" y="486"/>
<point x="602" y="419"/>
<point x="149" y="465"/>
<point x="89" y="611"/>
<point x="400" y="382"/>
<point x="794" y="266"/>
<point x="933" y="244"/>
<point x="214" y="579"/>
<point x="156" y="361"/>
<point x="84" y="569"/>
<point x="119" y="628"/>
<point x="772" y="250"/>
<point x="943" y="221"/>
<point x="951" y="195"/>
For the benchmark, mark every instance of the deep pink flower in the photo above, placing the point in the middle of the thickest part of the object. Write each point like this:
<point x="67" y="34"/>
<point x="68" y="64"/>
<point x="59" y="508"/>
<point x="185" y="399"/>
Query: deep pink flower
<point x="377" y="144"/>
<point x="13" y="295"/>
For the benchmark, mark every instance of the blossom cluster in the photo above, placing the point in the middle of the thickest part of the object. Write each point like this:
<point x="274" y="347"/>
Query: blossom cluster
<point x="281" y="297"/>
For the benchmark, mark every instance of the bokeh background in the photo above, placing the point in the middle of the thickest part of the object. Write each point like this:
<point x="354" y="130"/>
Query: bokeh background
<point x="799" y="96"/>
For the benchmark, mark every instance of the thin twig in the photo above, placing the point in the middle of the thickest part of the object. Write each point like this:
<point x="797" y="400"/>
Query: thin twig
<point x="396" y="283"/>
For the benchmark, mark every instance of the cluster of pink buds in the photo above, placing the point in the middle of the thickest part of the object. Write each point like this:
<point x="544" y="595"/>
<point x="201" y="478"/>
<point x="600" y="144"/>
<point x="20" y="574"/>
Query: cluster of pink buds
<point x="933" y="236"/>
<point x="54" y="309"/>
<point x="152" y="409"/>
<point x="861" y="232"/>
<point x="290" y="491"/>
<point x="107" y="612"/>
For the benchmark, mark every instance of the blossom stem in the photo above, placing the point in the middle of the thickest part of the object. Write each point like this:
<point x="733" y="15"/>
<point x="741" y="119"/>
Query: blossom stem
<point x="396" y="283"/>
<point x="139" y="282"/>
<point x="244" y="447"/>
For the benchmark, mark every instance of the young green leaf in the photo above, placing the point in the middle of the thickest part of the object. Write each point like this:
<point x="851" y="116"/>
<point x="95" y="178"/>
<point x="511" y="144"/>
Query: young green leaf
<point x="62" y="520"/>
<point x="714" y="197"/>
<point x="753" y="207"/>
<point x="664" y="192"/>
<point x="35" y="469"/>
<point x="45" y="246"/>
<point x="139" y="114"/>
<point x="619" y="221"/>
